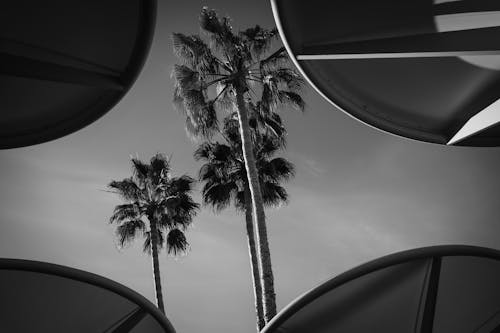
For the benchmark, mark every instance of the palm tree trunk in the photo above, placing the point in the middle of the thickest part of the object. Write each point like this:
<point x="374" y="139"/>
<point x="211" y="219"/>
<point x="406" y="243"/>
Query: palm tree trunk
<point x="265" y="268"/>
<point x="257" y="287"/>
<point x="156" y="266"/>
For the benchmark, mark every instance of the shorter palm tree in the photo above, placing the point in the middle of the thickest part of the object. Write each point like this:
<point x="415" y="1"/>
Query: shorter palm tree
<point x="225" y="181"/>
<point x="158" y="206"/>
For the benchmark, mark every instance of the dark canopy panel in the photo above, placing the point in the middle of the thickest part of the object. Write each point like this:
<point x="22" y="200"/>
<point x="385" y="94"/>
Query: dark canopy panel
<point x="432" y="290"/>
<point x="468" y="298"/>
<point x="38" y="297"/>
<point x="63" y="64"/>
<point x="367" y="304"/>
<point x="420" y="69"/>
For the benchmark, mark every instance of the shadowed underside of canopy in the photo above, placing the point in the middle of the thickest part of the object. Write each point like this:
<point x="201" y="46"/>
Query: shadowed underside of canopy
<point x="42" y="297"/>
<point x="63" y="64"/>
<point x="439" y="289"/>
<point x="423" y="69"/>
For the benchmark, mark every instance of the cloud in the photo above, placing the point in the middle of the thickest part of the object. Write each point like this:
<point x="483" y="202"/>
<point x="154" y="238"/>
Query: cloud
<point x="306" y="163"/>
<point x="314" y="167"/>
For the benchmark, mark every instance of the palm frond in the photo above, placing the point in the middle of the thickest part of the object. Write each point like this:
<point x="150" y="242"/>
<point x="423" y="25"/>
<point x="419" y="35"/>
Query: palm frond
<point x="169" y="204"/>
<point x="178" y="101"/>
<point x="219" y="195"/>
<point x="203" y="152"/>
<point x="179" y="209"/>
<point x="208" y="124"/>
<point x="140" y="171"/>
<point x="188" y="48"/>
<point x="127" y="189"/>
<point x="176" y="242"/>
<point x="232" y="130"/>
<point x="276" y="170"/>
<point x="159" y="169"/>
<point x="202" y="116"/>
<point x="273" y="124"/>
<point x="210" y="172"/>
<point x="269" y="96"/>
<point x="186" y="208"/>
<point x="222" y="153"/>
<point x="273" y="194"/>
<point x="225" y="100"/>
<point x="267" y="146"/>
<point x="290" y="78"/>
<point x="182" y="220"/>
<point x="181" y="185"/>
<point x="193" y="51"/>
<point x="220" y="28"/>
<point x="194" y="100"/>
<point x="259" y="40"/>
<point x="219" y="152"/>
<point x="125" y="212"/>
<point x="219" y="170"/>
<point x="215" y="153"/>
<point x="166" y="222"/>
<point x="292" y="99"/>
<point x="239" y="201"/>
<point x="186" y="78"/>
<point x="209" y="21"/>
<point x="178" y="212"/>
<point x="270" y="122"/>
<point x="278" y="59"/>
<point x="126" y="232"/>
<point x="192" y="131"/>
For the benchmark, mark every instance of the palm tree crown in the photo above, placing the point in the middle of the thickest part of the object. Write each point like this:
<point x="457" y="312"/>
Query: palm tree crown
<point x="224" y="174"/>
<point x="207" y="80"/>
<point x="158" y="206"/>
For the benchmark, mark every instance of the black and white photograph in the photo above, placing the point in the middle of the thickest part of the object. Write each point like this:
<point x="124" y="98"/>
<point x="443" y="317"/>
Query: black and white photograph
<point x="265" y="166"/>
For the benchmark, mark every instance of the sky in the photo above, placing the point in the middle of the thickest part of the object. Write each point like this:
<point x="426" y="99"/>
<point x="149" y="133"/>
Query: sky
<point x="358" y="194"/>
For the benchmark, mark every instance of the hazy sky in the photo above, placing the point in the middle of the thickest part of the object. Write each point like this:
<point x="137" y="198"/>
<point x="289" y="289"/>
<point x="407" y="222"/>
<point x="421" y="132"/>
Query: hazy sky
<point x="358" y="194"/>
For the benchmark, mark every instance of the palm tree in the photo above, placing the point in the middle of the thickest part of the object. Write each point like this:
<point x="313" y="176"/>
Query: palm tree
<point x="236" y="68"/>
<point x="225" y="180"/>
<point x="157" y="205"/>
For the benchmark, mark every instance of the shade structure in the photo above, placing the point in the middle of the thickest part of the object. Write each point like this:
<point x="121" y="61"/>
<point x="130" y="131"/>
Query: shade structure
<point x="43" y="297"/>
<point x="63" y="64"/>
<point x="438" y="289"/>
<point x="423" y="69"/>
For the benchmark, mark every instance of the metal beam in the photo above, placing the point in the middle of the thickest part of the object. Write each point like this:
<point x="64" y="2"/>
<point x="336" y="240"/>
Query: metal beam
<point x="394" y="55"/>
<point x="19" y="66"/>
<point x="448" y="44"/>
<point x="41" y="53"/>
<point x="431" y="292"/>
<point x="490" y="325"/>
<point x="466" y="6"/>
<point x="128" y="322"/>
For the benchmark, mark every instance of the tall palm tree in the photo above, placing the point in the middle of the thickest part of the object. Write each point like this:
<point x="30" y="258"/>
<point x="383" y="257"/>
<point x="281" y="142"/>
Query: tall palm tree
<point x="157" y="205"/>
<point x="224" y="75"/>
<point x="225" y="181"/>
